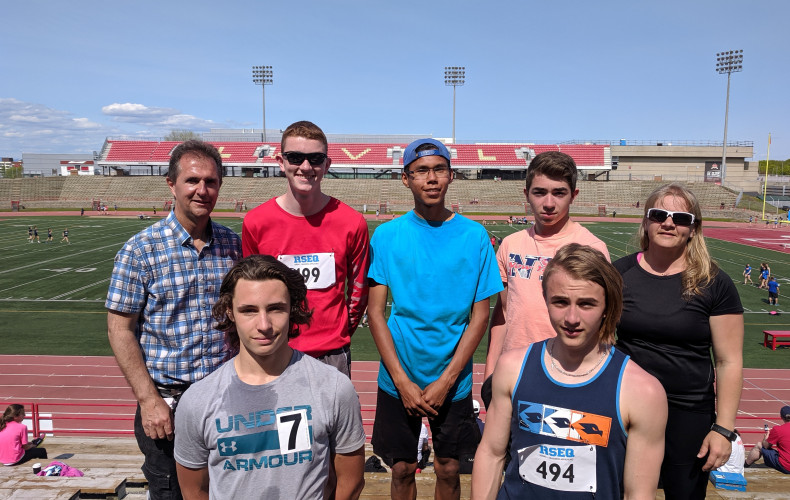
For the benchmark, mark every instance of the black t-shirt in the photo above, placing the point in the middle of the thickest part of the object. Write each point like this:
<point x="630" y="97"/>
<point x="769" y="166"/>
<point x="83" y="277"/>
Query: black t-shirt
<point x="670" y="337"/>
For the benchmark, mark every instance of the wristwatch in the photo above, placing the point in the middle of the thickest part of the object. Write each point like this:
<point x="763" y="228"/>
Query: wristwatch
<point x="730" y="435"/>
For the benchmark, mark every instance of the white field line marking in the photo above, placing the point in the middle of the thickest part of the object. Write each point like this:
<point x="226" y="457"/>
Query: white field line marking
<point x="69" y="256"/>
<point x="105" y="280"/>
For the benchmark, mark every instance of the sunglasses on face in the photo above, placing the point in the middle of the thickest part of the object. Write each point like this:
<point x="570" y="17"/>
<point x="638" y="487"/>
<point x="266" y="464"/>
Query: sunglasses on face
<point x="297" y="158"/>
<point x="678" y="218"/>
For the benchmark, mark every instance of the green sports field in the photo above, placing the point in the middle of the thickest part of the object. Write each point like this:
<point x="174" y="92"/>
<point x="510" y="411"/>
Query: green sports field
<point x="52" y="295"/>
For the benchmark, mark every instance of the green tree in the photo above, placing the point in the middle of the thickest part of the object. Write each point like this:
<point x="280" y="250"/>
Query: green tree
<point x="14" y="172"/>
<point x="775" y="167"/>
<point x="181" y="135"/>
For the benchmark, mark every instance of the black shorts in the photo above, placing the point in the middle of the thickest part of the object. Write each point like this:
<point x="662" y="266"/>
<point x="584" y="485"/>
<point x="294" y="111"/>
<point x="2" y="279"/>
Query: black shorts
<point x="395" y="432"/>
<point x="773" y="295"/>
<point x="486" y="390"/>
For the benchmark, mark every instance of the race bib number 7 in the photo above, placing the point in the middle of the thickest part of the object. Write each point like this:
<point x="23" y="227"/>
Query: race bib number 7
<point x="563" y="468"/>
<point x="317" y="269"/>
<point x="293" y="431"/>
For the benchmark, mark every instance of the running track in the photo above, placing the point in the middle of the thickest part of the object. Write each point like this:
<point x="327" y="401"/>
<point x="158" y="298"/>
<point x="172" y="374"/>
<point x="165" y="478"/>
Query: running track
<point x="90" y="394"/>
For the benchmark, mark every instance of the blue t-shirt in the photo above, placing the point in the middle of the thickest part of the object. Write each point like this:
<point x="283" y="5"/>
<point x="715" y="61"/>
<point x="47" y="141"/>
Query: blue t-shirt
<point x="773" y="286"/>
<point x="748" y="270"/>
<point x="435" y="271"/>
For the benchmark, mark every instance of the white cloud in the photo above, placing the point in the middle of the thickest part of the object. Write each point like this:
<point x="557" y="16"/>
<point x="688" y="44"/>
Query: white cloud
<point x="27" y="127"/>
<point x="37" y="128"/>
<point x="84" y="123"/>
<point x="163" y="119"/>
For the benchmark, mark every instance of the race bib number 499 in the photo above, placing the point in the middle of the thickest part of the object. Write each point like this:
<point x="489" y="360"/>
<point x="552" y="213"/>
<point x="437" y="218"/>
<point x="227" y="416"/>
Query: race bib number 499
<point x="317" y="269"/>
<point x="563" y="468"/>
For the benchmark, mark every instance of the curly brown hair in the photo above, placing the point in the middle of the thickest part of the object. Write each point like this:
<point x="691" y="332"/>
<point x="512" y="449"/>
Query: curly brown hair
<point x="260" y="268"/>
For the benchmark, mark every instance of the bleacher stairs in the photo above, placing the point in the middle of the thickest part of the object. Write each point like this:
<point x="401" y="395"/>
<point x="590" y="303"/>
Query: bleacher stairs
<point x="112" y="472"/>
<point x="506" y="197"/>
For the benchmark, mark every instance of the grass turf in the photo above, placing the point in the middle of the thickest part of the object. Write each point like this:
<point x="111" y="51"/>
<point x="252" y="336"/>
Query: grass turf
<point x="52" y="294"/>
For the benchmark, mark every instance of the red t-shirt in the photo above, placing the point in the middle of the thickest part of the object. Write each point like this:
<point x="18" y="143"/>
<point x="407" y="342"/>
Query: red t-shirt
<point x="331" y="250"/>
<point x="779" y="437"/>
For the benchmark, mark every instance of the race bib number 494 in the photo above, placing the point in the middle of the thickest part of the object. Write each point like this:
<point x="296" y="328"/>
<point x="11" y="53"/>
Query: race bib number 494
<point x="317" y="269"/>
<point x="563" y="468"/>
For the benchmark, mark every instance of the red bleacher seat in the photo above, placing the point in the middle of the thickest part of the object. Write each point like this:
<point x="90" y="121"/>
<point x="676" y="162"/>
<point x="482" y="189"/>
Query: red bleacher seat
<point x="362" y="154"/>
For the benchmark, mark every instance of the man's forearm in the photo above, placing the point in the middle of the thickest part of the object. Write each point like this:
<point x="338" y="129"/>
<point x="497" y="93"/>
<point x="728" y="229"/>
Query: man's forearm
<point x="133" y="367"/>
<point x="127" y="353"/>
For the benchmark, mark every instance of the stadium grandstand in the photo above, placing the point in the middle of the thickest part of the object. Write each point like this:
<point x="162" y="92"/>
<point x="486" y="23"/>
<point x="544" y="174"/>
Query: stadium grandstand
<point x="489" y="175"/>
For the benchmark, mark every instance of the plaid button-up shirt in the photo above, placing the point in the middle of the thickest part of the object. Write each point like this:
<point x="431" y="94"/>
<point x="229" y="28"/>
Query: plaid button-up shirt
<point x="160" y="274"/>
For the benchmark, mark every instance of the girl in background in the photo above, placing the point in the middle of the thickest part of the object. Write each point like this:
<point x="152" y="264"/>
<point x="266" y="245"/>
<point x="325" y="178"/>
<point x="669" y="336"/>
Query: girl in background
<point x="14" y="448"/>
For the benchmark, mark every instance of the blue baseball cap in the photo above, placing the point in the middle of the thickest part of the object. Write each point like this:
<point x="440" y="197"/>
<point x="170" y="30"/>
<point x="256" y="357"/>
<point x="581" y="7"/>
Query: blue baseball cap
<point x="785" y="411"/>
<point x="411" y="153"/>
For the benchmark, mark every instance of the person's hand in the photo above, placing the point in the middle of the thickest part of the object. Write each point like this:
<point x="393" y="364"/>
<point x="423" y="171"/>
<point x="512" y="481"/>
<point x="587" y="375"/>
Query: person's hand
<point x="411" y="397"/>
<point x="718" y="449"/>
<point x="157" y="418"/>
<point x="435" y="394"/>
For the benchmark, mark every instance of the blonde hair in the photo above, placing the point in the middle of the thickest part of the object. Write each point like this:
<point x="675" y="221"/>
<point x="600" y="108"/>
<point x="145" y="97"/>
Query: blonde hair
<point x="585" y="263"/>
<point x="700" y="268"/>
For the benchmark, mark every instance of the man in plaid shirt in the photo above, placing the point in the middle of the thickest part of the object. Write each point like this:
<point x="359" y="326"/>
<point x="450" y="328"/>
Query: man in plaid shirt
<point x="165" y="280"/>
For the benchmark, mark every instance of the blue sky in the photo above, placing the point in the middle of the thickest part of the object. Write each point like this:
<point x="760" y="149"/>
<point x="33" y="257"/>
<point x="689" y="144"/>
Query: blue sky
<point x="77" y="72"/>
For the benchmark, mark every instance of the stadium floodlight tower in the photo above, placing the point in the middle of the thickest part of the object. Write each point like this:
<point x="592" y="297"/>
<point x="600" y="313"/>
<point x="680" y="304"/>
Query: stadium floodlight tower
<point x="727" y="62"/>
<point x="455" y="76"/>
<point x="263" y="76"/>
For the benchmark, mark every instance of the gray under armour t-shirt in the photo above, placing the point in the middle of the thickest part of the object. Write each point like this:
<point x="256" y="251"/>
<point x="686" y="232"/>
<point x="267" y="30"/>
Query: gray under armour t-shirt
<point x="272" y="440"/>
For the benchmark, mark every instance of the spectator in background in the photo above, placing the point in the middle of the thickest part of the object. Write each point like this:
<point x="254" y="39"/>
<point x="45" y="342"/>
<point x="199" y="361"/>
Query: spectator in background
<point x="476" y="410"/>
<point x="319" y="236"/>
<point x="14" y="447"/>
<point x="773" y="291"/>
<point x="775" y="446"/>
<point x="423" y="449"/>
<point x="736" y="461"/>
<point x="765" y="271"/>
<point x="747" y="274"/>
<point x="165" y="280"/>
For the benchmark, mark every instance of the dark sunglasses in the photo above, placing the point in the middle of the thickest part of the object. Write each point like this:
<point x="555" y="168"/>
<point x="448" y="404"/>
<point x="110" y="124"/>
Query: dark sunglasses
<point x="678" y="218"/>
<point x="297" y="158"/>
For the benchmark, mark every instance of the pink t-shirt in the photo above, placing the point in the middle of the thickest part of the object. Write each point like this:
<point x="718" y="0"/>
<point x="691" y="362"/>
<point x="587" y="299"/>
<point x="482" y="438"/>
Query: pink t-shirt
<point x="12" y="440"/>
<point x="522" y="258"/>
